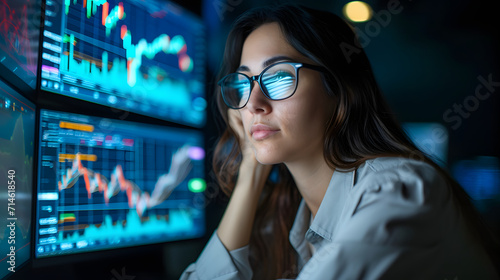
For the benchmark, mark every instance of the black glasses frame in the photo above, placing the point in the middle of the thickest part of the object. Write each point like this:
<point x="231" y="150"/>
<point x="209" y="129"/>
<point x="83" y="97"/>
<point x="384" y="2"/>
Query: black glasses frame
<point x="258" y="79"/>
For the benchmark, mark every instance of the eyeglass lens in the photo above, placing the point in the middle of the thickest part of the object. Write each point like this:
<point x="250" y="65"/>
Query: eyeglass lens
<point x="278" y="82"/>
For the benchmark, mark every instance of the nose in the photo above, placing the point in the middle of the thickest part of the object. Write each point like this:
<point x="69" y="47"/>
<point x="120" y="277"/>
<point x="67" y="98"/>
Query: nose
<point x="258" y="103"/>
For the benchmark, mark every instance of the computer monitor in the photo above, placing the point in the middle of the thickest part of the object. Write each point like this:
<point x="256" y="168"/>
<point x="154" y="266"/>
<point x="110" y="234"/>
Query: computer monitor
<point x="19" y="36"/>
<point x="17" y="135"/>
<point x="146" y="57"/>
<point x="105" y="184"/>
<point x="479" y="176"/>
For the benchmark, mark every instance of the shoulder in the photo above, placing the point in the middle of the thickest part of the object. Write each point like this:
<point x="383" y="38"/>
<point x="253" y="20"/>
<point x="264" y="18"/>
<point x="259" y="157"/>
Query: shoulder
<point x="393" y="198"/>
<point x="387" y="174"/>
<point x="395" y="188"/>
<point x="380" y="164"/>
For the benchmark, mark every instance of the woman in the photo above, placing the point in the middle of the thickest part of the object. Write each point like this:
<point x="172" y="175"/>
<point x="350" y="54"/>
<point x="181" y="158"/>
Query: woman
<point x="354" y="198"/>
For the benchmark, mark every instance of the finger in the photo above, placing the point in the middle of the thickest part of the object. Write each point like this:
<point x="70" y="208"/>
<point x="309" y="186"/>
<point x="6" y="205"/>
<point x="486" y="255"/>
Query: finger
<point x="236" y="123"/>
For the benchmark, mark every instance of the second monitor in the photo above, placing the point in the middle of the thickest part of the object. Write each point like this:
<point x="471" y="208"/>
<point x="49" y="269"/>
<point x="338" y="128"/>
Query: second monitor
<point x="106" y="184"/>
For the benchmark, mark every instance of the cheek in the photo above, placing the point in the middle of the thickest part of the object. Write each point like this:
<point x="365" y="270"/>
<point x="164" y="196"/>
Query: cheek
<point x="246" y="119"/>
<point x="307" y="120"/>
<point x="299" y="123"/>
<point x="309" y="111"/>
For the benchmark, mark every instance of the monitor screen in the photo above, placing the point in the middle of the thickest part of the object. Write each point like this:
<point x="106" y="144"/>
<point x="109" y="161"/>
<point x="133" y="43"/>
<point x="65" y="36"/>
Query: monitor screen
<point x="105" y="184"/>
<point x="146" y="57"/>
<point x="479" y="176"/>
<point x="17" y="135"/>
<point x="19" y="35"/>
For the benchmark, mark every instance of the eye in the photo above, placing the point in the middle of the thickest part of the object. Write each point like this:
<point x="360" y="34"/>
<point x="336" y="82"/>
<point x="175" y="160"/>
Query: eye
<point x="277" y="77"/>
<point x="281" y="75"/>
<point x="280" y="84"/>
<point x="237" y="84"/>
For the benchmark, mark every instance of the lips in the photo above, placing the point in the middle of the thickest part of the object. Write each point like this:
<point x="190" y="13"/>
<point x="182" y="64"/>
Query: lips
<point x="261" y="131"/>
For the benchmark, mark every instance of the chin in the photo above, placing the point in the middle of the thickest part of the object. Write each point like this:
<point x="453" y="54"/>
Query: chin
<point x="264" y="162"/>
<point x="267" y="159"/>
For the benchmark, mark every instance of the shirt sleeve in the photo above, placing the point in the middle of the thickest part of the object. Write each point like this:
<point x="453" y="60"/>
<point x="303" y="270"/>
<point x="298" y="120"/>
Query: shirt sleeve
<point x="216" y="263"/>
<point x="394" y="228"/>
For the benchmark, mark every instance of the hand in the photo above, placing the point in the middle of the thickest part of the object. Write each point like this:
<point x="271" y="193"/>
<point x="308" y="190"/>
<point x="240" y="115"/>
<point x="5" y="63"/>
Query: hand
<point x="250" y="167"/>
<point x="236" y="225"/>
<point x="236" y="124"/>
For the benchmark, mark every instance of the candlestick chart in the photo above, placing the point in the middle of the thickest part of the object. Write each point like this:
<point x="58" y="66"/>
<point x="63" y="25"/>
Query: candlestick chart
<point x="131" y="55"/>
<point x="117" y="184"/>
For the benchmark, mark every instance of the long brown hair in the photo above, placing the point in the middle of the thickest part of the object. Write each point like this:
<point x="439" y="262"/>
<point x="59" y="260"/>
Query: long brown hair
<point x="362" y="127"/>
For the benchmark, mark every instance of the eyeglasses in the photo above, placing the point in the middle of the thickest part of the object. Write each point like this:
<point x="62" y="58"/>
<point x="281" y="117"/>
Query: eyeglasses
<point x="277" y="82"/>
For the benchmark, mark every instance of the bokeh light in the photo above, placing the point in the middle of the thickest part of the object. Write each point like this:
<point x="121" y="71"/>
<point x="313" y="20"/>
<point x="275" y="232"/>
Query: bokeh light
<point x="197" y="185"/>
<point x="357" y="11"/>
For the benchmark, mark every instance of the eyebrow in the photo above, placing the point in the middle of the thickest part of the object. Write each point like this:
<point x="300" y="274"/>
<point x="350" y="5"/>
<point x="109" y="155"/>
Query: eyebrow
<point x="266" y="63"/>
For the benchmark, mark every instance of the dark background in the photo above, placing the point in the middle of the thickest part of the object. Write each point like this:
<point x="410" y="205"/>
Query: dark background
<point x="428" y="59"/>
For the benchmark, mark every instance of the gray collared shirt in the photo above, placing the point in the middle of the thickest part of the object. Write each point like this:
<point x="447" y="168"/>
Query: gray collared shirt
<point x="392" y="218"/>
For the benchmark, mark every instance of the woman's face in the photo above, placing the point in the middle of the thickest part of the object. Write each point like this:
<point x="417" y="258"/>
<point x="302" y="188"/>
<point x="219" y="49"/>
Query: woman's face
<point x="289" y="130"/>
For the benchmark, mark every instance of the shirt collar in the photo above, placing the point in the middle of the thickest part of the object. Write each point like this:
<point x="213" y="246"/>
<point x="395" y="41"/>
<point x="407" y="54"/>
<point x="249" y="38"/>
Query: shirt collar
<point x="329" y="212"/>
<point x="326" y="220"/>
<point x="298" y="233"/>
